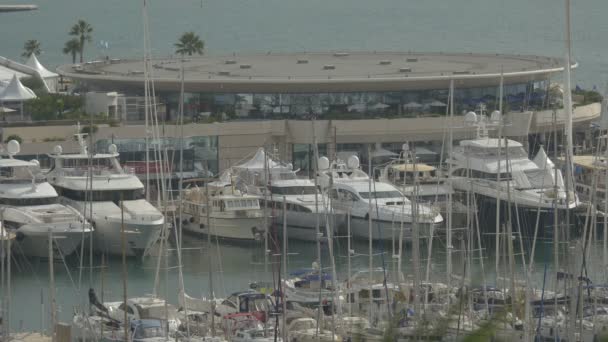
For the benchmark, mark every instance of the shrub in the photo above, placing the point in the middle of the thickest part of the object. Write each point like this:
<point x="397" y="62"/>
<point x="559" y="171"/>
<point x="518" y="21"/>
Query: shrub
<point x="13" y="137"/>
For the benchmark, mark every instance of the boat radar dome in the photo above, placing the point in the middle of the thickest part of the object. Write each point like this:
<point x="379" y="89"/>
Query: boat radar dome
<point x="290" y="166"/>
<point x="13" y="147"/>
<point x="112" y="149"/>
<point x="405" y="147"/>
<point x="323" y="163"/>
<point x="35" y="161"/>
<point x="496" y="117"/>
<point x="58" y="149"/>
<point x="353" y="162"/>
<point x="470" y="119"/>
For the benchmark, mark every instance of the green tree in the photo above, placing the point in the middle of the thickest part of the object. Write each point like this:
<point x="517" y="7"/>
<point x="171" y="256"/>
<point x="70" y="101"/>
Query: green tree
<point x="72" y="47"/>
<point x="30" y="47"/>
<point x="189" y="44"/>
<point x="13" y="137"/>
<point x="82" y="31"/>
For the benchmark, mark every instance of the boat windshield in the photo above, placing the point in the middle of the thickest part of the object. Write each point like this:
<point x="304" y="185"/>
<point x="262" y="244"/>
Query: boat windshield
<point x="293" y="190"/>
<point x="103" y="196"/>
<point x="142" y="332"/>
<point x="381" y="194"/>
<point x="20" y="202"/>
<point x="16" y="175"/>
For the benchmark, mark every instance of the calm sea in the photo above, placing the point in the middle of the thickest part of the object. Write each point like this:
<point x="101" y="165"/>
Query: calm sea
<point x="507" y="26"/>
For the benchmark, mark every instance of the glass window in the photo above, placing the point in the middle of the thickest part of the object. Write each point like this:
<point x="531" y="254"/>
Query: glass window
<point x="381" y="194"/>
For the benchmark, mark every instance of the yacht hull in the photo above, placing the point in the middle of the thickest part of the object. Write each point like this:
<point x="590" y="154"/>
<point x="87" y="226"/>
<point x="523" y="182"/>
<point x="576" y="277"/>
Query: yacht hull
<point x="142" y="226"/>
<point x="301" y="225"/>
<point x="385" y="230"/>
<point x="237" y="228"/>
<point x="33" y="240"/>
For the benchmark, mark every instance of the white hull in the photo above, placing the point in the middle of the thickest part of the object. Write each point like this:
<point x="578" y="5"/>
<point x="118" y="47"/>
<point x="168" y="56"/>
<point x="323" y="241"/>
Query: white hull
<point x="519" y="198"/>
<point x="33" y="241"/>
<point x="238" y="228"/>
<point x="302" y="226"/>
<point x="385" y="230"/>
<point x="142" y="229"/>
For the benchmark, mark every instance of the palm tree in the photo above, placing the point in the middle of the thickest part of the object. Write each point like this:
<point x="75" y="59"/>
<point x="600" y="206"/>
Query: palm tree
<point x="72" y="47"/>
<point x="82" y="31"/>
<point x="189" y="43"/>
<point x="30" y="47"/>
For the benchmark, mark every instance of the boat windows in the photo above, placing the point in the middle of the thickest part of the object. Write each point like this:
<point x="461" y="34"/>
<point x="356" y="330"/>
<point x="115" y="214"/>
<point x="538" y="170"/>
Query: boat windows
<point x="505" y="176"/>
<point x="381" y="194"/>
<point x="19" y="202"/>
<point x="293" y="190"/>
<point x="102" y="196"/>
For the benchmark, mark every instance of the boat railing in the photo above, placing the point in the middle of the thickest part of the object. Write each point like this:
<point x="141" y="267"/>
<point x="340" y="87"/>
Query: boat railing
<point x="96" y="172"/>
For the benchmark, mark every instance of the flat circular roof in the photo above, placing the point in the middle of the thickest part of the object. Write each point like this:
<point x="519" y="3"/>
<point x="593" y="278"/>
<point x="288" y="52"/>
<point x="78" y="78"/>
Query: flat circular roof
<point x="318" y="72"/>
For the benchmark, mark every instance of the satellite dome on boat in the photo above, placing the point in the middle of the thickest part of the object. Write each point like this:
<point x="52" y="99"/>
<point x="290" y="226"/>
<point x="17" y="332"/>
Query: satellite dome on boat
<point x="470" y="119"/>
<point x="353" y="162"/>
<point x="323" y="163"/>
<point x="496" y="117"/>
<point x="13" y="147"/>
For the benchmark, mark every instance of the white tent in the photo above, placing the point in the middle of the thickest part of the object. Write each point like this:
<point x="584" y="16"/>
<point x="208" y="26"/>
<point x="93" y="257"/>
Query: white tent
<point x="6" y="74"/>
<point x="436" y="103"/>
<point x="16" y="92"/>
<point x="50" y="78"/>
<point x="33" y="63"/>
<point x="379" y="106"/>
<point x="412" y="105"/>
<point x="256" y="163"/>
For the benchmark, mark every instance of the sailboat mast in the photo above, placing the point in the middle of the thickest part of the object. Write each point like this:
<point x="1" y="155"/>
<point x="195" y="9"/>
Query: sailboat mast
<point x="370" y="233"/>
<point x="51" y="286"/>
<point x="498" y="179"/>
<point x="146" y="98"/>
<point x="450" y="198"/>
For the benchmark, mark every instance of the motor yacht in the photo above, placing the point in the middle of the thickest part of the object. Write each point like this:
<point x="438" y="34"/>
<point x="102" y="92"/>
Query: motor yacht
<point x="276" y="183"/>
<point x="223" y="211"/>
<point x="29" y="209"/>
<point x="109" y="196"/>
<point x="349" y="189"/>
<point x="500" y="169"/>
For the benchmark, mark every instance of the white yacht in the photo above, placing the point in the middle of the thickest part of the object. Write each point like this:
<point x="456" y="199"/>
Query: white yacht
<point x="305" y="204"/>
<point x="231" y="214"/>
<point x="349" y="190"/>
<point x="29" y="208"/>
<point x="499" y="168"/>
<point x="99" y="190"/>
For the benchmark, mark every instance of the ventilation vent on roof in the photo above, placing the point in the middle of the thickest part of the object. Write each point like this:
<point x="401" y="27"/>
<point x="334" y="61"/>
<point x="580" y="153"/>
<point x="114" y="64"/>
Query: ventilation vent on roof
<point x="245" y="66"/>
<point x="461" y="72"/>
<point x="302" y="61"/>
<point x="341" y="54"/>
<point x="329" y="67"/>
<point x="385" y="62"/>
<point x="224" y="73"/>
<point x="230" y="61"/>
<point x="405" y="69"/>
<point x="411" y="60"/>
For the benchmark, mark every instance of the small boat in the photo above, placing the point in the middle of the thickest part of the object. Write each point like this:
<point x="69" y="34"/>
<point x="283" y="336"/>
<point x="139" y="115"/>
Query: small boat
<point x="306" y="286"/>
<point x="227" y="212"/>
<point x="390" y="210"/>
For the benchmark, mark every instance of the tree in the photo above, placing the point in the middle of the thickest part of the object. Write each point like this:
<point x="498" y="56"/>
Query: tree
<point x="13" y="137"/>
<point x="72" y="47"/>
<point x="82" y="31"/>
<point x="189" y="43"/>
<point x="30" y="47"/>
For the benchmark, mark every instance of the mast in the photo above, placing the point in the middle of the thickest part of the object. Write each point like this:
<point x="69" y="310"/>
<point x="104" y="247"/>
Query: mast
<point x="370" y="233"/>
<point x="51" y="287"/>
<point x="498" y="179"/>
<point x="318" y="221"/>
<point x="123" y="242"/>
<point x="210" y="261"/>
<point x="146" y="98"/>
<point x="283" y="300"/>
<point x="448" y="246"/>
<point x="569" y="147"/>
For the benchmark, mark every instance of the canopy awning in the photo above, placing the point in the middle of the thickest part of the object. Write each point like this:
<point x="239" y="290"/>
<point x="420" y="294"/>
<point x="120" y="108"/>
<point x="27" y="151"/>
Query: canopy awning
<point x="15" y="91"/>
